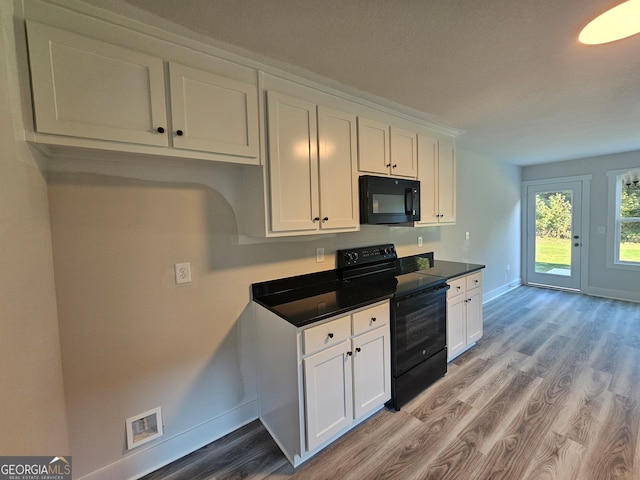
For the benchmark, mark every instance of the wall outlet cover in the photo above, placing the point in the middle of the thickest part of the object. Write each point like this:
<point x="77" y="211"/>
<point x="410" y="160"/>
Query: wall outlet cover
<point x="183" y="272"/>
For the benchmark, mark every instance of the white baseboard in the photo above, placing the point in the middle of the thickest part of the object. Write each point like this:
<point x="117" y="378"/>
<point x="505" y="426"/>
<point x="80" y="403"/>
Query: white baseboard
<point x="496" y="292"/>
<point x="614" y="294"/>
<point x="160" y="454"/>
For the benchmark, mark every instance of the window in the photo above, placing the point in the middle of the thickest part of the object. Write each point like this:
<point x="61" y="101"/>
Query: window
<point x="627" y="219"/>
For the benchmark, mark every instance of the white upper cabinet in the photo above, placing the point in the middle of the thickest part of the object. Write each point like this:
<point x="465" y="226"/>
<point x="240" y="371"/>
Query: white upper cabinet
<point x="111" y="97"/>
<point x="446" y="182"/>
<point x="293" y="163"/>
<point x="312" y="177"/>
<point x="386" y="150"/>
<point x="213" y="113"/>
<point x="86" y="88"/>
<point x="373" y="146"/>
<point x="337" y="166"/>
<point x="437" y="175"/>
<point x="404" y="152"/>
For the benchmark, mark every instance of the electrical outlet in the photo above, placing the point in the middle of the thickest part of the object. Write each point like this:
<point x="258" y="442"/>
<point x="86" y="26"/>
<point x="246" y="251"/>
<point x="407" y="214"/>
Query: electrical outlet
<point x="419" y="241"/>
<point x="183" y="272"/>
<point x="466" y="235"/>
<point x="319" y="255"/>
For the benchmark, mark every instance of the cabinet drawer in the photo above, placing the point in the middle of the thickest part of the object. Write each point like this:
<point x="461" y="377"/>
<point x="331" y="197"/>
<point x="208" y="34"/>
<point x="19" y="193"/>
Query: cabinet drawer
<point x="458" y="287"/>
<point x="326" y="335"/>
<point x="370" y="318"/>
<point x="474" y="280"/>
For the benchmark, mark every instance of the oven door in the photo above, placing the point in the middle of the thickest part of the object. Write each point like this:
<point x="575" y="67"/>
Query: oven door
<point x="419" y="325"/>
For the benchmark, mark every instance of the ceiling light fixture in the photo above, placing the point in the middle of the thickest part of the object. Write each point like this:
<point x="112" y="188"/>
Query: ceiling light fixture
<point x="619" y="22"/>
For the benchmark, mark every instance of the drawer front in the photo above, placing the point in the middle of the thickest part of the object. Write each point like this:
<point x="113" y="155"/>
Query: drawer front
<point x="474" y="280"/>
<point x="326" y="335"/>
<point x="458" y="287"/>
<point x="370" y="318"/>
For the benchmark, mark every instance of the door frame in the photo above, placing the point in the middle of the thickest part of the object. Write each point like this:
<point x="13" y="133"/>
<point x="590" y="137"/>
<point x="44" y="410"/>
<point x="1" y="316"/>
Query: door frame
<point x="585" y="180"/>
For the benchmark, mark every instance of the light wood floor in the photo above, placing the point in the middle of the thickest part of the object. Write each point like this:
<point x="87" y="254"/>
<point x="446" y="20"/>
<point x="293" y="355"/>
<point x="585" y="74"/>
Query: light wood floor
<point x="552" y="391"/>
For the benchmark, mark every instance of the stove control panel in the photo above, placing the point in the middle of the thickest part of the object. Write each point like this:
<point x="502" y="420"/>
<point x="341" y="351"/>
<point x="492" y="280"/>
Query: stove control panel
<point x="366" y="255"/>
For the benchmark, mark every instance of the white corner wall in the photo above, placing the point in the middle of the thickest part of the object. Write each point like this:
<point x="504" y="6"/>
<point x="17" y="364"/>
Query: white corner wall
<point x="32" y="407"/>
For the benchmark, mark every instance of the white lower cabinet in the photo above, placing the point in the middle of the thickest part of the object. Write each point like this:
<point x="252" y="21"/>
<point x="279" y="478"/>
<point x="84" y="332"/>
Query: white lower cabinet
<point x="464" y="313"/>
<point x="341" y="374"/>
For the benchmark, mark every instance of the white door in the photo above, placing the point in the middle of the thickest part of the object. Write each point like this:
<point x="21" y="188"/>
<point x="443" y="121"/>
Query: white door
<point x="474" y="315"/>
<point x="403" y="152"/>
<point x="293" y="163"/>
<point x="371" y="370"/>
<point x="338" y="175"/>
<point x="446" y="182"/>
<point x="373" y="146"/>
<point x="212" y="113"/>
<point x="554" y="234"/>
<point x="328" y="393"/>
<point x="86" y="88"/>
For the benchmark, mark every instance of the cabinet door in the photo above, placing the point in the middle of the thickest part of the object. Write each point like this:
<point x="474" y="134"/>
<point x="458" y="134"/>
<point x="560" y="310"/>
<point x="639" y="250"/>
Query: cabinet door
<point x="403" y="152"/>
<point x="328" y="393"/>
<point x="428" y="176"/>
<point x="293" y="164"/>
<point x="91" y="89"/>
<point x="474" y="315"/>
<point x="371" y="370"/>
<point x="373" y="146"/>
<point x="446" y="182"/>
<point x="338" y="175"/>
<point x="456" y="326"/>
<point x="215" y="113"/>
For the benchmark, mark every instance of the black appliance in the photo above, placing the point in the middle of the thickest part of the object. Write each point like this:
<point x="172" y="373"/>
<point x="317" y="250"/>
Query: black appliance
<point x="385" y="200"/>
<point x="418" y="314"/>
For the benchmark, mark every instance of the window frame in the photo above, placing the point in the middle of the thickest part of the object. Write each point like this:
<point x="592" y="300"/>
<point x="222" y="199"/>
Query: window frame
<point x="615" y="221"/>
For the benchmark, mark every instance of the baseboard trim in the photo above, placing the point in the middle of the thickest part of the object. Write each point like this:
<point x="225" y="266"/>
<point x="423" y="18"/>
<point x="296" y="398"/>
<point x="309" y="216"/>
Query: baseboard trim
<point x="497" y="292"/>
<point x="613" y="294"/>
<point x="150" y="459"/>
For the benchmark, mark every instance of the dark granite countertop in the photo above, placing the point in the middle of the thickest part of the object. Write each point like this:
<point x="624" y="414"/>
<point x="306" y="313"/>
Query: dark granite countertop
<point x="449" y="270"/>
<point x="306" y="299"/>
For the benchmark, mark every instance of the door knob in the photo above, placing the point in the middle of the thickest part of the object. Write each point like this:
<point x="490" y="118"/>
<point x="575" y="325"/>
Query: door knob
<point x="576" y="244"/>
<point x="576" y="236"/>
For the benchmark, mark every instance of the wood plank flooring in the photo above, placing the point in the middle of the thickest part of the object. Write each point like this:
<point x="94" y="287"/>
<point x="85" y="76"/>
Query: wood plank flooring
<point x="552" y="391"/>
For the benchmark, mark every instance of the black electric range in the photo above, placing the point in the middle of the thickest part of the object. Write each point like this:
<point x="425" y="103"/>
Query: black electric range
<point x="418" y="314"/>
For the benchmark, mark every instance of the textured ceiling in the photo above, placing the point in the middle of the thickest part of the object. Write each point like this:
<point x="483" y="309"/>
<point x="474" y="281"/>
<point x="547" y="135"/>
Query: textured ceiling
<point x="509" y="73"/>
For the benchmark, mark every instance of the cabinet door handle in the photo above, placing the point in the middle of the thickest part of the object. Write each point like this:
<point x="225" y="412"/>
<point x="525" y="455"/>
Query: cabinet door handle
<point x="358" y="349"/>
<point x="160" y="130"/>
<point x="349" y="353"/>
<point x="179" y="133"/>
<point x="325" y="219"/>
<point x="373" y="319"/>
<point x="315" y="219"/>
<point x="330" y="335"/>
<point x="458" y="287"/>
<point x="388" y="165"/>
<point x="395" y="165"/>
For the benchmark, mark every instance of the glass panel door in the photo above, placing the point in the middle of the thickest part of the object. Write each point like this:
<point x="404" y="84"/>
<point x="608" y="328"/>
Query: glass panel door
<point x="554" y="234"/>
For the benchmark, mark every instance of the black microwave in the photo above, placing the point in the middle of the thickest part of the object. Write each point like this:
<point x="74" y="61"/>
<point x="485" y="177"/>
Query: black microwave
<point x="385" y="200"/>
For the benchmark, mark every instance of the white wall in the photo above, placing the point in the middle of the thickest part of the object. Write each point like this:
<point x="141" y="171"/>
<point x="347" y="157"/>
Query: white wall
<point x="32" y="409"/>
<point x="604" y="281"/>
